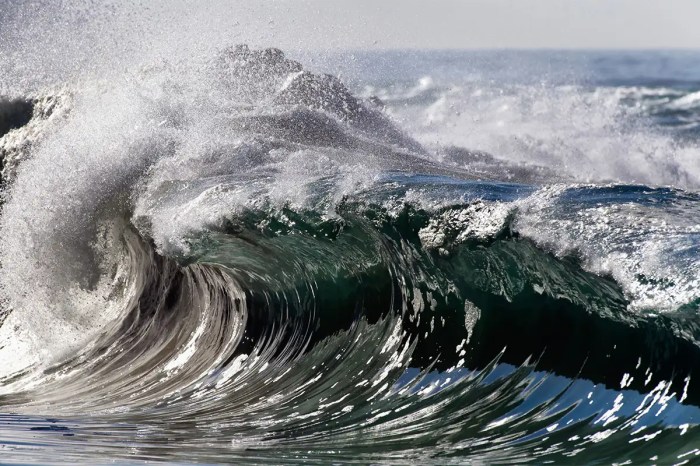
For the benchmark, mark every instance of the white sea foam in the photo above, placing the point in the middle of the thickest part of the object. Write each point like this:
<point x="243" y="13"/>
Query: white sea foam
<point x="590" y="135"/>
<point x="644" y="249"/>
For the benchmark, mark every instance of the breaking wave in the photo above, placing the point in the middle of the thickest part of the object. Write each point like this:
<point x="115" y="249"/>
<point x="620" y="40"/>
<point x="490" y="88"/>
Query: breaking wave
<point x="243" y="261"/>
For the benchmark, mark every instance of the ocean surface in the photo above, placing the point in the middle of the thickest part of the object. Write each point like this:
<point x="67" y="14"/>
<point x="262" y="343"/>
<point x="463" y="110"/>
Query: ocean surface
<point x="387" y="257"/>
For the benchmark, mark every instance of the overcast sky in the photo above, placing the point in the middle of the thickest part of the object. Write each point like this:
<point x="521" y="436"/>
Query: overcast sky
<point x="488" y="23"/>
<point x="68" y="35"/>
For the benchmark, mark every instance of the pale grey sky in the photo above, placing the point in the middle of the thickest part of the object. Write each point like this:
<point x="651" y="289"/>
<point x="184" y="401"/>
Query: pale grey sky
<point x="72" y="34"/>
<point x="486" y="23"/>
